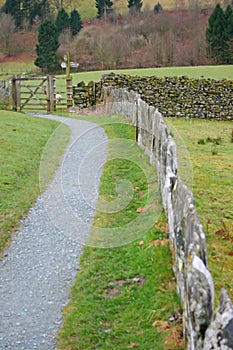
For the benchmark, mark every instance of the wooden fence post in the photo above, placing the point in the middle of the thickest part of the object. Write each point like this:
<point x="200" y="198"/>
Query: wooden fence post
<point x="15" y="93"/>
<point x="69" y="88"/>
<point x="69" y="92"/>
<point x="51" y="101"/>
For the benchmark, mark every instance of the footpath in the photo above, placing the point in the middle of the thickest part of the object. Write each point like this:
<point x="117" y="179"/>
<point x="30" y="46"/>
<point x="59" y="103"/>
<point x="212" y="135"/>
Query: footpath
<point x="41" y="263"/>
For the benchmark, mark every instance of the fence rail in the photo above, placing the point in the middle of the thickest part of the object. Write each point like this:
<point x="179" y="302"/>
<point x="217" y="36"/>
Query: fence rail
<point x="48" y="93"/>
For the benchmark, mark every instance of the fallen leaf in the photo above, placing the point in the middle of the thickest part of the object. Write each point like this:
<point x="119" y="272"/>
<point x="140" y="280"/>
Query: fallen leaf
<point x="220" y="232"/>
<point x="141" y="210"/>
<point x="230" y="253"/>
<point x="163" y="325"/>
<point x="226" y="238"/>
<point x="161" y="242"/>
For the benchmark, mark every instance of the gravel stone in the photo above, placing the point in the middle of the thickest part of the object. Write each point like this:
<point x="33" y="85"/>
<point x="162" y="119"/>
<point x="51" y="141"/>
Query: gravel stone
<point x="42" y="261"/>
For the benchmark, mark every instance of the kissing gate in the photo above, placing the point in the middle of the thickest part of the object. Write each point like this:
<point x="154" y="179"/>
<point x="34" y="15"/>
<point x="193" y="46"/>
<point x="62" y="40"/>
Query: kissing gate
<point x="48" y="93"/>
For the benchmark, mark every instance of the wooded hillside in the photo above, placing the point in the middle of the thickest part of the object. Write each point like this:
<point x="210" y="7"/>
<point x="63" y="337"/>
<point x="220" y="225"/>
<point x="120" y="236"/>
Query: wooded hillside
<point x="145" y="38"/>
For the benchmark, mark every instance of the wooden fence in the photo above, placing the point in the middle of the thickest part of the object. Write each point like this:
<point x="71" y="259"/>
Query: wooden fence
<point x="48" y="93"/>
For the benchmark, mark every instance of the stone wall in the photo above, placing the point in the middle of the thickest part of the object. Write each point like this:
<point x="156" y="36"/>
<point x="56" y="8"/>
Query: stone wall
<point x="85" y="96"/>
<point x="173" y="96"/>
<point x="203" y="328"/>
<point x="4" y="92"/>
<point x="180" y="96"/>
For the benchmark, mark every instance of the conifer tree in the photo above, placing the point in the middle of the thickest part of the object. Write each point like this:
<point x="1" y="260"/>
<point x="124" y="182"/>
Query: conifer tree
<point x="75" y="22"/>
<point x="216" y="35"/>
<point x="47" y="46"/>
<point x="22" y="10"/>
<point x="229" y="22"/>
<point x="158" y="8"/>
<point x="134" y="6"/>
<point x="13" y="8"/>
<point x="62" y="20"/>
<point x="104" y="7"/>
<point x="39" y="9"/>
<point x="228" y="54"/>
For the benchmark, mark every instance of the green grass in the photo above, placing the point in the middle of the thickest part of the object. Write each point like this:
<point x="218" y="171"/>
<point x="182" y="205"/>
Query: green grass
<point x="7" y="69"/>
<point x="23" y="140"/>
<point x="120" y="289"/>
<point x="210" y="148"/>
<point x="213" y="72"/>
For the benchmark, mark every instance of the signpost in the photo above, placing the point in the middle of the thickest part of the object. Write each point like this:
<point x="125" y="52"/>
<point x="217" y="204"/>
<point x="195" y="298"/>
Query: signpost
<point x="69" y="87"/>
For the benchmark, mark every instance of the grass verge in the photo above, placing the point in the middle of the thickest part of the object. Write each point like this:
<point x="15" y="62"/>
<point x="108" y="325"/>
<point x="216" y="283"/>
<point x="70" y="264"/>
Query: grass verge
<point x="23" y="140"/>
<point x="197" y="72"/>
<point x="210" y="147"/>
<point x="125" y="290"/>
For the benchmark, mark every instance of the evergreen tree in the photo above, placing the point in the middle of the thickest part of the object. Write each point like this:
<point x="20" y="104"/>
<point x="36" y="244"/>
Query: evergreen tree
<point x="62" y="20"/>
<point x="216" y="35"/>
<point x="134" y="6"/>
<point x="26" y="7"/>
<point x="22" y="10"/>
<point x="75" y="22"/>
<point x="104" y="8"/>
<point x="229" y="22"/>
<point x="13" y="8"/>
<point x="158" y="8"/>
<point x="39" y="9"/>
<point x="47" y="46"/>
<point x="228" y="54"/>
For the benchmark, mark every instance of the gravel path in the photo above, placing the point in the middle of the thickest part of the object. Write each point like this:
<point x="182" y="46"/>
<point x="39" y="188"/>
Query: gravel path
<point x="41" y="263"/>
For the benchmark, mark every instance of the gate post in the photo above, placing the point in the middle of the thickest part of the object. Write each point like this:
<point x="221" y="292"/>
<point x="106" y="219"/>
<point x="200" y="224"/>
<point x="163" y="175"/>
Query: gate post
<point x="51" y="101"/>
<point x="69" y="92"/>
<point x="15" y="93"/>
<point x="69" y="88"/>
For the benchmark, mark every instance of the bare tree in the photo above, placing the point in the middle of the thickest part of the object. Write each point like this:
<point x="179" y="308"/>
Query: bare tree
<point x="157" y="49"/>
<point x="7" y="29"/>
<point x="101" y="48"/>
<point x="170" y="48"/>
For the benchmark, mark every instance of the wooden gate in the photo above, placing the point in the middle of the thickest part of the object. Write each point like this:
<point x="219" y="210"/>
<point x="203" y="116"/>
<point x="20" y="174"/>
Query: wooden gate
<point x="48" y="93"/>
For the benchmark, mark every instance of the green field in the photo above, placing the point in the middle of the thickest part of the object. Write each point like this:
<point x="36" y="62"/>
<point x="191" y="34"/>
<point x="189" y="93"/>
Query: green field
<point x="7" y="69"/>
<point x="210" y="147"/>
<point x="212" y="72"/>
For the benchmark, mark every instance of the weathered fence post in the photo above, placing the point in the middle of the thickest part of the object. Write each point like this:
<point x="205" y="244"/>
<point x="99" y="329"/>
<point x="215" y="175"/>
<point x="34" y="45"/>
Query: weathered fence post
<point x="15" y="93"/>
<point x="69" y="88"/>
<point x="51" y="101"/>
<point x="69" y="92"/>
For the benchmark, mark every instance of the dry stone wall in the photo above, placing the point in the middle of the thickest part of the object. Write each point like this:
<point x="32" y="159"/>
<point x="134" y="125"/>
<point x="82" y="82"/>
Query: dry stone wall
<point x="85" y="96"/>
<point x="203" y="328"/>
<point x="180" y="96"/>
<point x="4" y="92"/>
<point x="173" y="96"/>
